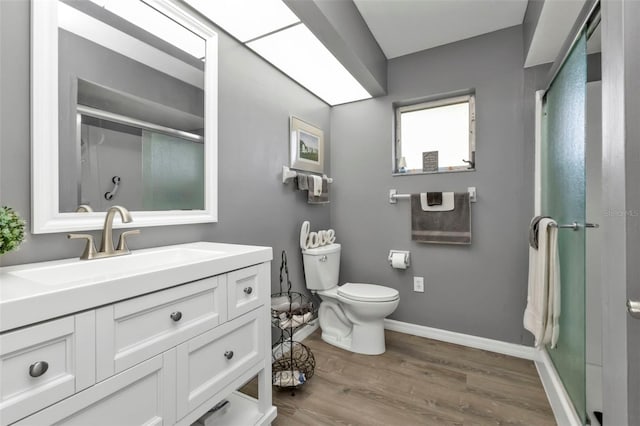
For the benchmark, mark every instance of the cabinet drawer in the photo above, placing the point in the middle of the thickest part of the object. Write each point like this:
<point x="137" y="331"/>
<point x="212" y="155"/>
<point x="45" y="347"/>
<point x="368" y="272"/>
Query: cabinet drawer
<point x="142" y="395"/>
<point x="248" y="289"/>
<point x="212" y="360"/>
<point x="45" y="363"/>
<point x="132" y="331"/>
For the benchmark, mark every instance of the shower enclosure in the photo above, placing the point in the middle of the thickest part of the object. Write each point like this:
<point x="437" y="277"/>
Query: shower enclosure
<point x="563" y="196"/>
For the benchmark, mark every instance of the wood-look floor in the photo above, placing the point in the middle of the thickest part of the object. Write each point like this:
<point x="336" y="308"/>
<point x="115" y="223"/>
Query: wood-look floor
<point x="417" y="381"/>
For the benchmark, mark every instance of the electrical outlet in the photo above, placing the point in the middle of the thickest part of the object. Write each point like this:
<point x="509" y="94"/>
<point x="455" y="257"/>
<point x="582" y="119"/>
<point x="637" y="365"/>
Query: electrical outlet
<point x="418" y="284"/>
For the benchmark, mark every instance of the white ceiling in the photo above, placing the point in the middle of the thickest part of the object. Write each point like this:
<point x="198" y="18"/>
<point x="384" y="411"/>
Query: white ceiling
<point x="406" y="26"/>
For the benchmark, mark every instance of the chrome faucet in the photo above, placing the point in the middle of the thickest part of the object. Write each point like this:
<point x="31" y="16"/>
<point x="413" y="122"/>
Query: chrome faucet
<point x="106" y="246"/>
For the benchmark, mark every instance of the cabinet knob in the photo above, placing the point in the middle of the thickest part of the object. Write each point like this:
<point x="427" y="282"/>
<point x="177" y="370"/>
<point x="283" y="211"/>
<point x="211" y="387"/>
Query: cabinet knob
<point x="37" y="369"/>
<point x="176" y="316"/>
<point x="248" y="290"/>
<point x="228" y="354"/>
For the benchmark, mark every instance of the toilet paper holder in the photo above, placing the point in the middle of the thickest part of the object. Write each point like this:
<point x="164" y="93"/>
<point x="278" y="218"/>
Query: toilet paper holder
<point x="406" y="254"/>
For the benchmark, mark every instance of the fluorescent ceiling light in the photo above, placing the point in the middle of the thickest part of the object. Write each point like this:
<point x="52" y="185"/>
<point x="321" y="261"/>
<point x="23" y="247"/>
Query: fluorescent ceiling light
<point x="300" y="55"/>
<point x="246" y="19"/>
<point x="154" y="22"/>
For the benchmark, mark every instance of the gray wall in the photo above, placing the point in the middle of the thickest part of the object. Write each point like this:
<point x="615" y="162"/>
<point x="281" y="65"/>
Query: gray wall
<point x="481" y="289"/>
<point x="255" y="102"/>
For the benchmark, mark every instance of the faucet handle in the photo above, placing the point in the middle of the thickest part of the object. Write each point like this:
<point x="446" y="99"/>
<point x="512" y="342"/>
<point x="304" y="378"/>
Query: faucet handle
<point x="122" y="242"/>
<point x="89" y="250"/>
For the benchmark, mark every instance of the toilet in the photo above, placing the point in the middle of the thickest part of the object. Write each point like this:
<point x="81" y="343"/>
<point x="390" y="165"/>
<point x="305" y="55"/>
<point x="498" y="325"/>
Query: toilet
<point x="352" y="315"/>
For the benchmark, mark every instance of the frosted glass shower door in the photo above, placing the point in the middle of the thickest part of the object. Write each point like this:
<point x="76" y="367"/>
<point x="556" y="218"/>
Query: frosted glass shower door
<point x="172" y="173"/>
<point x="564" y="199"/>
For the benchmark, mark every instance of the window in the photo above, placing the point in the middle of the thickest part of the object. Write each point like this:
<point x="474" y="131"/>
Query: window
<point x="435" y="136"/>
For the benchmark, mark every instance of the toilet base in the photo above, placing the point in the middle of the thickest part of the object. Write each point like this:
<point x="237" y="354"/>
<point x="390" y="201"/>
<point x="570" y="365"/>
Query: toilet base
<point x="368" y="339"/>
<point x="365" y="339"/>
<point x="342" y="343"/>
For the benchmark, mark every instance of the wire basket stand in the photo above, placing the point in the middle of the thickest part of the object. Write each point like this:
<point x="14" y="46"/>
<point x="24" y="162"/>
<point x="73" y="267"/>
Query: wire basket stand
<point x="293" y="362"/>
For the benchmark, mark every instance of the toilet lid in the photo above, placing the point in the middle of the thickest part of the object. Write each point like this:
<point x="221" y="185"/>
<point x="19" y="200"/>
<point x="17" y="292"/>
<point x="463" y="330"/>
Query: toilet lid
<point x="367" y="292"/>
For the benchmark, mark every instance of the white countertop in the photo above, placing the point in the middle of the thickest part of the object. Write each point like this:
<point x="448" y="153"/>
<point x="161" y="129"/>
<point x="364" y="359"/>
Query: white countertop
<point x="36" y="292"/>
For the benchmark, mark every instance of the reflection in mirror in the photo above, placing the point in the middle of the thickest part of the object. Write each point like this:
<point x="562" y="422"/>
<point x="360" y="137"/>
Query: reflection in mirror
<point x="131" y="108"/>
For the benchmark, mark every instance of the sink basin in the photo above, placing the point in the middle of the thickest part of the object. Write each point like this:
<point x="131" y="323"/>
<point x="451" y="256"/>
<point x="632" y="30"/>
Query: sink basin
<point x="100" y="270"/>
<point x="39" y="291"/>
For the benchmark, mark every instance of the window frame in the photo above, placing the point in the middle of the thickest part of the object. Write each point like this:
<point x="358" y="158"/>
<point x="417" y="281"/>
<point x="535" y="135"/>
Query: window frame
<point x="436" y="103"/>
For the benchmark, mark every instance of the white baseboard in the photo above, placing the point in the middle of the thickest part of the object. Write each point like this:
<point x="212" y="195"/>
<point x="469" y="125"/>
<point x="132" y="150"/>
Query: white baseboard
<point x="561" y="404"/>
<point x="511" y="349"/>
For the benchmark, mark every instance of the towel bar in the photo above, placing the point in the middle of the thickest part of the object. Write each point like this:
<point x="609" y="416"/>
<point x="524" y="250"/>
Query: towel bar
<point x="575" y="226"/>
<point x="394" y="196"/>
<point x="288" y="174"/>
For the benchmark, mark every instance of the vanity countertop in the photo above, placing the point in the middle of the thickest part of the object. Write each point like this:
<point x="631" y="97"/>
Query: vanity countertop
<point x="40" y="291"/>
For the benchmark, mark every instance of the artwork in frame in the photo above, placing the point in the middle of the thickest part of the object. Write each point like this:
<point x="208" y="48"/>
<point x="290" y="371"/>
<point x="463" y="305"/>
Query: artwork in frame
<point x="306" y="146"/>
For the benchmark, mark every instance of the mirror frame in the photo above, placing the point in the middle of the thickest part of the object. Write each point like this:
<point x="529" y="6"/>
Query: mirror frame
<point x="45" y="204"/>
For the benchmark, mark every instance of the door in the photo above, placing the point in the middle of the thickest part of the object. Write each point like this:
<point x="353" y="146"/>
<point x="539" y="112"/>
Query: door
<point x="563" y="198"/>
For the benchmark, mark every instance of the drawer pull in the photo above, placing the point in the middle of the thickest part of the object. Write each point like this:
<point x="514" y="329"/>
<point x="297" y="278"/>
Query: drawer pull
<point x="228" y="354"/>
<point x="176" y="316"/>
<point x="37" y="369"/>
<point x="248" y="290"/>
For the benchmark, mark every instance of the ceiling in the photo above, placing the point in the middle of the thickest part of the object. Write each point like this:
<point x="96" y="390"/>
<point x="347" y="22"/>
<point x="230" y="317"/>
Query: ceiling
<point x="402" y="27"/>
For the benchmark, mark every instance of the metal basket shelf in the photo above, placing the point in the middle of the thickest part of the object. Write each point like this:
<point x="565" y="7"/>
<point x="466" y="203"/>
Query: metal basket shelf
<point x="291" y="310"/>
<point x="293" y="365"/>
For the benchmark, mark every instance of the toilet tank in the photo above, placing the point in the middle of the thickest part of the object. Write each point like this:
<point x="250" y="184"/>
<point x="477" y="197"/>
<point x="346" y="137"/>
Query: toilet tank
<point x="322" y="266"/>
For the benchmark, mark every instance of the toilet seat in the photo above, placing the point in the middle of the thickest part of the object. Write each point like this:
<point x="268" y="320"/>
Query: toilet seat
<point x="361" y="292"/>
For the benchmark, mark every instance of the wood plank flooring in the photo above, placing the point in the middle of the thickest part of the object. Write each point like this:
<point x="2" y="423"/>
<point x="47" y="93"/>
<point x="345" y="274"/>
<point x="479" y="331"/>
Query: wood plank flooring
<point x="417" y="381"/>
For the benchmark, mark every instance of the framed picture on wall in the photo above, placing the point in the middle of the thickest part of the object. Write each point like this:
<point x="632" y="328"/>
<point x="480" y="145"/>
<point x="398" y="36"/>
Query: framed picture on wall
<point x="306" y="143"/>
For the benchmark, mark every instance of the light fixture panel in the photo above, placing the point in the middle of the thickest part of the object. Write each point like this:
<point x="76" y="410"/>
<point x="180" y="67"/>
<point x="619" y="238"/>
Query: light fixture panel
<point x="297" y="52"/>
<point x="246" y="19"/>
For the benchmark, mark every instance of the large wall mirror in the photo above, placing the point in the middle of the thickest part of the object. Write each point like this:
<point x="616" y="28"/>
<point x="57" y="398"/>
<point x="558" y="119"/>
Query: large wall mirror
<point x="124" y="112"/>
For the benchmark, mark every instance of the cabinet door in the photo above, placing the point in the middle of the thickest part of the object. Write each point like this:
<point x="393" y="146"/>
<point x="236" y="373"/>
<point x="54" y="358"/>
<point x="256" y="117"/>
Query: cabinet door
<point x="142" y="395"/>
<point x="212" y="360"/>
<point x="132" y="331"/>
<point x="44" y="363"/>
<point x="248" y="288"/>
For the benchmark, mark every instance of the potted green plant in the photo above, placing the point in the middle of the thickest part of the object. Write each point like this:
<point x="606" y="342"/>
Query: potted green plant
<point x="11" y="230"/>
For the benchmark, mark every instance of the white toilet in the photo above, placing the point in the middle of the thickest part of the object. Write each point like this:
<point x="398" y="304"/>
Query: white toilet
<point x="352" y="315"/>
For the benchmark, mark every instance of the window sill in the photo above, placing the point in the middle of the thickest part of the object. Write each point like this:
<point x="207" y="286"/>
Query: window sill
<point x="395" y="174"/>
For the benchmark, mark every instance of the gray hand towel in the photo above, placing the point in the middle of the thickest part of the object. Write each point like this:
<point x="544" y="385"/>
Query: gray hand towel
<point x="449" y="227"/>
<point x="303" y="184"/>
<point x="322" y="198"/>
<point x="434" y="198"/>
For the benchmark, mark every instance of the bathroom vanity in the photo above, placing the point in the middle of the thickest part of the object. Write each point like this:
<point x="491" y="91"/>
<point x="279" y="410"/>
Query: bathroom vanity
<point x="156" y="337"/>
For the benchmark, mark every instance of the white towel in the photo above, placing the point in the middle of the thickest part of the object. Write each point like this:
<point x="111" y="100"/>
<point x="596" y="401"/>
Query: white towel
<point x="541" y="317"/>
<point x="446" y="206"/>
<point x="317" y="185"/>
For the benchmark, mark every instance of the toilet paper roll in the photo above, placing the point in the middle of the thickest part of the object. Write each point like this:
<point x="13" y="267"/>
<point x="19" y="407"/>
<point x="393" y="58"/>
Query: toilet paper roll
<point x="398" y="261"/>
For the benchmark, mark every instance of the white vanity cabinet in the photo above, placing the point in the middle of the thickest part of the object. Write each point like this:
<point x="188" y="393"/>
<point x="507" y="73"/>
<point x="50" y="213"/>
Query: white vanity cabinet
<point x="161" y="358"/>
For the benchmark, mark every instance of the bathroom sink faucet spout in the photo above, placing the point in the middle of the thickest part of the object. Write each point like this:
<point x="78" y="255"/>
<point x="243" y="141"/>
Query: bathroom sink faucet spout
<point x="106" y="246"/>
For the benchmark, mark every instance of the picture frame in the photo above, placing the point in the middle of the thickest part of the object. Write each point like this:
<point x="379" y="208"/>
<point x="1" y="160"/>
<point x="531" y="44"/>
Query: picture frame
<point x="306" y="144"/>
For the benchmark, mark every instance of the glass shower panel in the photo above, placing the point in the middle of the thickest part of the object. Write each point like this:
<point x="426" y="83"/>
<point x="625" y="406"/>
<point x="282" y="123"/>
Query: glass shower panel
<point x="564" y="199"/>
<point x="172" y="173"/>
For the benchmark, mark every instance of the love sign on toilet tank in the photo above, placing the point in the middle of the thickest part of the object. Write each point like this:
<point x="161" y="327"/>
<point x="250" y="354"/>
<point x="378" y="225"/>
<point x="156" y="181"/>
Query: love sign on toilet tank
<point x="315" y="239"/>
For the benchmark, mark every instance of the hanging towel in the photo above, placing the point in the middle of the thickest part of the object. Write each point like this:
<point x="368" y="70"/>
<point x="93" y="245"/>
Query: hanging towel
<point x="434" y="198"/>
<point x="302" y="181"/>
<point x="446" y="206"/>
<point x="316" y="189"/>
<point x="323" y="198"/>
<point x="443" y="227"/>
<point x="541" y="317"/>
<point x="533" y="230"/>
